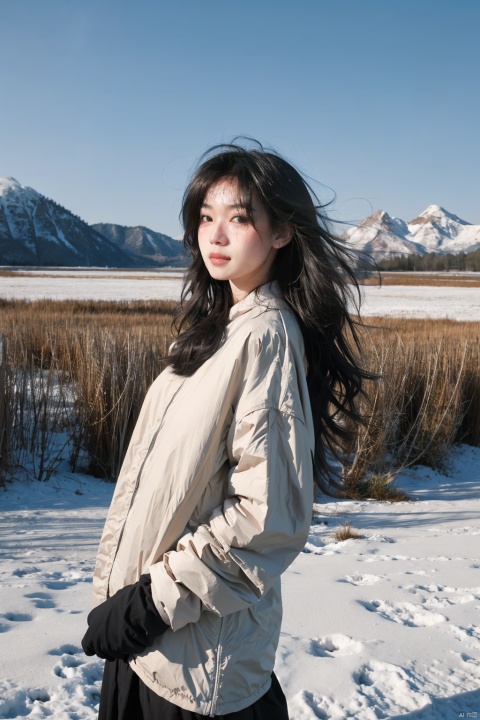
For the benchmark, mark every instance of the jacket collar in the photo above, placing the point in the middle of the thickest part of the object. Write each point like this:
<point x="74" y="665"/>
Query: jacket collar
<point x="268" y="296"/>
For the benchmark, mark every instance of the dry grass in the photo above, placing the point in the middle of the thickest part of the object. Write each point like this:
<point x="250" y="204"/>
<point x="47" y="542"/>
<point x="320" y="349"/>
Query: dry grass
<point x="5" y="410"/>
<point x="10" y="273"/>
<point x="346" y="532"/>
<point x="439" y="279"/>
<point x="426" y="399"/>
<point x="85" y="367"/>
<point x="432" y="279"/>
<point x="104" y="355"/>
<point x="154" y="274"/>
<point x="377" y="487"/>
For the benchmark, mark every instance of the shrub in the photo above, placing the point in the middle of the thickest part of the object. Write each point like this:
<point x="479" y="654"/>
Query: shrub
<point x="346" y="532"/>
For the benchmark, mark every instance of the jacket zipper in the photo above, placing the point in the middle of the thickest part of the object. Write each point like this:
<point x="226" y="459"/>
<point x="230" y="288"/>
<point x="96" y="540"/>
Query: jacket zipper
<point x="137" y="482"/>
<point x="217" y="672"/>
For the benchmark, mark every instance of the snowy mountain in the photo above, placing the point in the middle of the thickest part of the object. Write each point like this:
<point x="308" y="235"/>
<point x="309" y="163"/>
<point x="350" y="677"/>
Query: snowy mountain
<point x="440" y="231"/>
<point x="383" y="236"/>
<point x="35" y="230"/>
<point x="434" y="230"/>
<point x="153" y="247"/>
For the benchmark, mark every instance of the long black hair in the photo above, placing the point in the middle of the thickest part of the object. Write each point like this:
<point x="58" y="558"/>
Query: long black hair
<point x="315" y="272"/>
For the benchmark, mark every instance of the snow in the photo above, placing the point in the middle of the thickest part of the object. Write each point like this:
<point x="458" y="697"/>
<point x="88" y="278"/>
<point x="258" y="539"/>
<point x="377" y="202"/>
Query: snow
<point x="383" y="236"/>
<point x="434" y="230"/>
<point x="419" y="301"/>
<point x="440" y="231"/>
<point x="388" y="626"/>
<point x="92" y="286"/>
<point x="9" y="184"/>
<point x="415" y="301"/>
<point x="151" y="240"/>
<point x="383" y="626"/>
<point x="61" y="236"/>
<point x="380" y="627"/>
<point x="439" y="214"/>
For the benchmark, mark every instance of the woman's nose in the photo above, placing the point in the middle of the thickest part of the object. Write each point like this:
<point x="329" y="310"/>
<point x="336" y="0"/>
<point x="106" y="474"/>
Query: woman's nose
<point x="217" y="234"/>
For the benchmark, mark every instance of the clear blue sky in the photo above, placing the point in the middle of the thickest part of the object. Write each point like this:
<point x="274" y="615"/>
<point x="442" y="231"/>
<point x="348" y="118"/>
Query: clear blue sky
<point x="105" y="105"/>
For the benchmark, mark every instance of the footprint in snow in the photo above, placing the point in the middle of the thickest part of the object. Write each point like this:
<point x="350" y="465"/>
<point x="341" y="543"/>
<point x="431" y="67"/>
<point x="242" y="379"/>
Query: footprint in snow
<point x="17" y="617"/>
<point x="374" y="556"/>
<point x="441" y="596"/>
<point x="466" y="530"/>
<point x="391" y="690"/>
<point x="66" y="666"/>
<point x="73" y="666"/>
<point x="317" y="706"/>
<point x="65" y="650"/>
<point x="22" y="572"/>
<point x="378" y="537"/>
<point x="469" y="635"/>
<point x="58" y="584"/>
<point x="359" y="579"/>
<point x="62" y="581"/>
<point x="41" y="600"/>
<point x="405" y="613"/>
<point x="39" y="694"/>
<point x="335" y="646"/>
<point x="17" y="701"/>
<point x="71" y="661"/>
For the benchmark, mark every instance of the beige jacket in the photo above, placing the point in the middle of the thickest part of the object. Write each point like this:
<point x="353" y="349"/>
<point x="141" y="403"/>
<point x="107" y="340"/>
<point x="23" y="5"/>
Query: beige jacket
<point x="214" y="499"/>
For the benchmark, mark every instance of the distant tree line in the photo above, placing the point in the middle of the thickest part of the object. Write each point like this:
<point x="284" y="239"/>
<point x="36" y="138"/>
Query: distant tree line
<point x="433" y="262"/>
<point x="64" y="209"/>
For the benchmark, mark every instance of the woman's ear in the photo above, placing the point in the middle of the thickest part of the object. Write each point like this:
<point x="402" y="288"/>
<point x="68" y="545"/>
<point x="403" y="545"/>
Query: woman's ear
<point x="283" y="235"/>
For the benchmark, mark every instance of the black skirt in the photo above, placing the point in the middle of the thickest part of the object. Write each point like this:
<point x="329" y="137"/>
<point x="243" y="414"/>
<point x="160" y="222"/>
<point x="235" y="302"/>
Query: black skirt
<point x="125" y="697"/>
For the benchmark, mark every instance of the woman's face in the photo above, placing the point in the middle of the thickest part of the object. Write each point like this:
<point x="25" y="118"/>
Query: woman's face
<point x="232" y="247"/>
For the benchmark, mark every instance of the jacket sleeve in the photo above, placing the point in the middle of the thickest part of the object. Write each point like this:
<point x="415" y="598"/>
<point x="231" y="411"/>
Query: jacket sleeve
<point x="230" y="562"/>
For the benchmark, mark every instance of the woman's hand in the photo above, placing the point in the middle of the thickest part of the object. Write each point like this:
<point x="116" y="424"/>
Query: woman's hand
<point x="125" y="624"/>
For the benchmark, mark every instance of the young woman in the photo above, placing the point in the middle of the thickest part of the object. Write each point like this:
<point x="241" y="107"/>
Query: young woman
<point x="214" y="499"/>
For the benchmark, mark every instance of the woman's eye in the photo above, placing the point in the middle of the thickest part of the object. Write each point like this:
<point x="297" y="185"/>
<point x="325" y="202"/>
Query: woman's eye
<point x="240" y="219"/>
<point x="204" y="218"/>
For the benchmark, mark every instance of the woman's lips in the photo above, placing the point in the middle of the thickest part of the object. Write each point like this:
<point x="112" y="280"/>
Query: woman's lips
<point x="218" y="259"/>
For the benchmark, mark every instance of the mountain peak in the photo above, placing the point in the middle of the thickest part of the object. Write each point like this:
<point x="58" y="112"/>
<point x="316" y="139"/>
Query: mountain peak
<point x="436" y="214"/>
<point x="379" y="216"/>
<point x="434" y="230"/>
<point x="434" y="210"/>
<point x="9" y="182"/>
<point x="9" y="185"/>
<point x="37" y="231"/>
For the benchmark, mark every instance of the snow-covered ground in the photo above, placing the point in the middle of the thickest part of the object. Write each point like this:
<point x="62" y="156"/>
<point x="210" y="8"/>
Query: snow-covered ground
<point x="97" y="285"/>
<point x="386" y="626"/>
<point x="381" y="627"/>
<point x="419" y="301"/>
<point x="459" y="303"/>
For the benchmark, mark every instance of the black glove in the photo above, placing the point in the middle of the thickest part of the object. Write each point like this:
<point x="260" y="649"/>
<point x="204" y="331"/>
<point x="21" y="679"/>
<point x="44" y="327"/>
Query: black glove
<point x="125" y="624"/>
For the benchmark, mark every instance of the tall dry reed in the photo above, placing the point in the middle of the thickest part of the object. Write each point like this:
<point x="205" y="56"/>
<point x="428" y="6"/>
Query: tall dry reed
<point x="426" y="397"/>
<point x="94" y="361"/>
<point x="112" y="373"/>
<point x="83" y="370"/>
<point x="6" y="388"/>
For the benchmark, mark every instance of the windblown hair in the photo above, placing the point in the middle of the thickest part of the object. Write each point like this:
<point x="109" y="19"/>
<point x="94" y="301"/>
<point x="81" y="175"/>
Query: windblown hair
<point x="315" y="272"/>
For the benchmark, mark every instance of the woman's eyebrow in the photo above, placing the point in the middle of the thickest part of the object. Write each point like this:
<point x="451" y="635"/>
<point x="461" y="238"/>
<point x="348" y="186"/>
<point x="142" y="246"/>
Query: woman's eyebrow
<point x="235" y="206"/>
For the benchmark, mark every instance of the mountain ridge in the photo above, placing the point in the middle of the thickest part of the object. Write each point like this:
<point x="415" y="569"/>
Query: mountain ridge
<point x="144" y="243"/>
<point x="434" y="230"/>
<point x="36" y="230"/>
